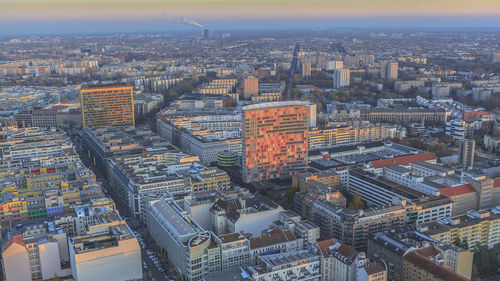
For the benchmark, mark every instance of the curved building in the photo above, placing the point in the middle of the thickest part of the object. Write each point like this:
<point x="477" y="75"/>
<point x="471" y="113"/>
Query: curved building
<point x="227" y="158"/>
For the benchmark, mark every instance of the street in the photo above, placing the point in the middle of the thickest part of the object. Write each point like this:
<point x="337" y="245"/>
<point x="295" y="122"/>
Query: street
<point x="150" y="260"/>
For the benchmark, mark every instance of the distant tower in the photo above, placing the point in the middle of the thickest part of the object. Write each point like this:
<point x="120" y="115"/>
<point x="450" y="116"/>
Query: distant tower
<point x="334" y="64"/>
<point x="305" y="69"/>
<point x="250" y="87"/>
<point x="341" y="78"/>
<point x="389" y="71"/>
<point x="206" y="33"/>
<point x="466" y="153"/>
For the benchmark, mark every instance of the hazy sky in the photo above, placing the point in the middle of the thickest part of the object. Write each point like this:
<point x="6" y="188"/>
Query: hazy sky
<point x="21" y="15"/>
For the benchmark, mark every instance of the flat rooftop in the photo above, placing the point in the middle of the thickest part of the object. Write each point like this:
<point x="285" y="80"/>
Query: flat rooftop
<point x="274" y="104"/>
<point x="169" y="213"/>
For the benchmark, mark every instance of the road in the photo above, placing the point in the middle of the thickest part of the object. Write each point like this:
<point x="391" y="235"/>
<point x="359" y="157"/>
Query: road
<point x="124" y="212"/>
<point x="150" y="265"/>
<point x="293" y="67"/>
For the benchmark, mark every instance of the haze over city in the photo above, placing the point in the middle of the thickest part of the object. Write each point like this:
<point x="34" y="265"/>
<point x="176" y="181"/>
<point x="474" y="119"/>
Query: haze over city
<point x="57" y="16"/>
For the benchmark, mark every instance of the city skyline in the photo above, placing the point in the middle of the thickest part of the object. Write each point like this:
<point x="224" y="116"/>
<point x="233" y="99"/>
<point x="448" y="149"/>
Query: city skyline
<point x="257" y="140"/>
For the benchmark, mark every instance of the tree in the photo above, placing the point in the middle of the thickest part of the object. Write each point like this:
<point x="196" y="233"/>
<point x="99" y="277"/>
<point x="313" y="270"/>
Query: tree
<point x="56" y="277"/>
<point x="289" y="194"/>
<point x="150" y="274"/>
<point x="356" y="203"/>
<point x="486" y="261"/>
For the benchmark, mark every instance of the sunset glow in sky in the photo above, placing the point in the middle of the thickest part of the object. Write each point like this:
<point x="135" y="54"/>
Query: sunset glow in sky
<point x="25" y="11"/>
<point x="235" y="9"/>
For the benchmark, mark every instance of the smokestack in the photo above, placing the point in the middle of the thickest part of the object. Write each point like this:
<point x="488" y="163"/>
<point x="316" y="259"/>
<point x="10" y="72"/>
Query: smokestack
<point x="206" y="33"/>
<point x="187" y="21"/>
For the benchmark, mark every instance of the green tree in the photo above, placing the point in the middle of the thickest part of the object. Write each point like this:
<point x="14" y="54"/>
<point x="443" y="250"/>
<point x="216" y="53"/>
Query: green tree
<point x="56" y="277"/>
<point x="487" y="261"/>
<point x="356" y="203"/>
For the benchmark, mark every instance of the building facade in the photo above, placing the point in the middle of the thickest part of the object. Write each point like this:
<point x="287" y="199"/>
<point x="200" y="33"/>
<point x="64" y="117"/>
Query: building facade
<point x="341" y="78"/>
<point x="107" y="105"/>
<point x="274" y="142"/>
<point x="250" y="87"/>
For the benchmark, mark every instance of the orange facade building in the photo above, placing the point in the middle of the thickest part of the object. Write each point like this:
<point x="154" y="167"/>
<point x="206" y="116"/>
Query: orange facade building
<point x="107" y="105"/>
<point x="250" y="87"/>
<point x="274" y="139"/>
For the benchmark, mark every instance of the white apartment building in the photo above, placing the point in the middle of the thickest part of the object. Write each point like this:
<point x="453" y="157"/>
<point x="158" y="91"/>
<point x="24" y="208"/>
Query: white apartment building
<point x="305" y="229"/>
<point x="426" y="169"/>
<point x="203" y="136"/>
<point x="192" y="250"/>
<point x="402" y="175"/>
<point x="293" y="266"/>
<point x="247" y="214"/>
<point x="459" y="129"/>
<point x="339" y="261"/>
<point x="275" y="241"/>
<point x="235" y="251"/>
<point x="334" y="65"/>
<point x="108" y="251"/>
<point x="440" y="91"/>
<point x="15" y="260"/>
<point x="403" y="86"/>
<point x="341" y="78"/>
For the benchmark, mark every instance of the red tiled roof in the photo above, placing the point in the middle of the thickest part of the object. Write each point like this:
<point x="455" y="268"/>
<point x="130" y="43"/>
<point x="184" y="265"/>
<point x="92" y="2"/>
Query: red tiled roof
<point x="276" y="236"/>
<point x="496" y="182"/>
<point x="428" y="252"/>
<point x="433" y="268"/>
<point x="402" y="160"/>
<point x="16" y="239"/>
<point x="457" y="190"/>
<point x="344" y="249"/>
<point x="474" y="114"/>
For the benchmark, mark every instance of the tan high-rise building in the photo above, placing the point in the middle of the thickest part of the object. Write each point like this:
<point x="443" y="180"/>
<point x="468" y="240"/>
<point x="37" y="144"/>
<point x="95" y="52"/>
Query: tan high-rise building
<point x="466" y="153"/>
<point x="107" y="105"/>
<point x="305" y="69"/>
<point x="250" y="87"/>
<point x="389" y="71"/>
<point x="496" y="57"/>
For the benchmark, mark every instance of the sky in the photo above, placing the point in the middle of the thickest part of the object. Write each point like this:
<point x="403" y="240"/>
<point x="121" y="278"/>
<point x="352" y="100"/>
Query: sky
<point x="67" y="16"/>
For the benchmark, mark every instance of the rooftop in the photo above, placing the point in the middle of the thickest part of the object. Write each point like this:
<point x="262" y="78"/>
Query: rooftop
<point x="457" y="190"/>
<point x="428" y="265"/>
<point x="172" y="214"/>
<point x="274" y="104"/>
<point x="105" y="86"/>
<point x="401" y="160"/>
<point x="276" y="236"/>
<point x="373" y="268"/>
<point x="337" y="249"/>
